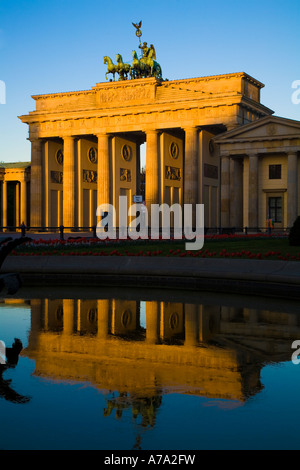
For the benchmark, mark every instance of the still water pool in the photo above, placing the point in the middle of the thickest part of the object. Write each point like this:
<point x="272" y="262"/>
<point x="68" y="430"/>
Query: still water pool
<point x="152" y="370"/>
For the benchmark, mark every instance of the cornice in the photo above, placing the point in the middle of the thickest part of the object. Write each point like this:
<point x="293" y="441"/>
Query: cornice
<point x="252" y="104"/>
<point x="145" y="82"/>
<point x="154" y="107"/>
<point x="257" y="139"/>
<point x="64" y="93"/>
<point x="233" y="135"/>
<point x="216" y="77"/>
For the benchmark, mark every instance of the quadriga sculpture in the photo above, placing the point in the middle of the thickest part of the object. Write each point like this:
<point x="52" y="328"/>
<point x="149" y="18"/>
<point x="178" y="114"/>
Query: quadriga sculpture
<point x="146" y="66"/>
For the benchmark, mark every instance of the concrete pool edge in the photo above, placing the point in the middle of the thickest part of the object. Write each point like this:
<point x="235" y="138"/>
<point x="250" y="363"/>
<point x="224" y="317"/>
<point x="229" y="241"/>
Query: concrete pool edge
<point x="253" y="277"/>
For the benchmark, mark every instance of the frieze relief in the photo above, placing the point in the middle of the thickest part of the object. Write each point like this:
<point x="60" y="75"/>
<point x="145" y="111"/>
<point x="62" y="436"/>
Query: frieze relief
<point x="125" y="175"/>
<point x="56" y="177"/>
<point x="89" y="176"/>
<point x="172" y="173"/>
<point x="211" y="171"/>
<point x="126" y="94"/>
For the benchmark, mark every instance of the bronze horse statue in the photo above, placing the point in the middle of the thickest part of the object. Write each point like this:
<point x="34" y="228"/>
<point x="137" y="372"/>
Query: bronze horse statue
<point x="138" y="69"/>
<point x="111" y="67"/>
<point x="123" y="69"/>
<point x="152" y="67"/>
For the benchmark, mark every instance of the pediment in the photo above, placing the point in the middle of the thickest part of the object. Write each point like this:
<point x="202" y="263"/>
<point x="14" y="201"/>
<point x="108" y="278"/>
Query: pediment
<point x="267" y="128"/>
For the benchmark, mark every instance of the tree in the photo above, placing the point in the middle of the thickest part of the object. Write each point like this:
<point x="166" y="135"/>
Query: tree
<point x="294" y="235"/>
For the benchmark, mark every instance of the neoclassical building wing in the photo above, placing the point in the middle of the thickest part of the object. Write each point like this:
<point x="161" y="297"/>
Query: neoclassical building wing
<point x="260" y="171"/>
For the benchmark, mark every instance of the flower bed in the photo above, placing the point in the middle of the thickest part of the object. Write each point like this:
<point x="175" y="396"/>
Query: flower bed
<point x="262" y="246"/>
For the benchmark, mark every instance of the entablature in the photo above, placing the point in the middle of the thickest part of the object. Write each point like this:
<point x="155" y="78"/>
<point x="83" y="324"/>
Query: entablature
<point x="147" y="95"/>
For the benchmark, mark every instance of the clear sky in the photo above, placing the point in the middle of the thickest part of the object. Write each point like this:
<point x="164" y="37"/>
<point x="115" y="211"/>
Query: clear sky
<point x="49" y="46"/>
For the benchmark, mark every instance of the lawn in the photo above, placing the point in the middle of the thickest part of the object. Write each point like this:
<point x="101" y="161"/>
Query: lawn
<point x="251" y="247"/>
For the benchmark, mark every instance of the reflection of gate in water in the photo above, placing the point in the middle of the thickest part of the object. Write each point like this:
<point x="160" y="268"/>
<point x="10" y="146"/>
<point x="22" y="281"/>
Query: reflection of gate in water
<point x="207" y="349"/>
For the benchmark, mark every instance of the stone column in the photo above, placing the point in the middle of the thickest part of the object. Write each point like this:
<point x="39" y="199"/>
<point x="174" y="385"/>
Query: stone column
<point x="36" y="322"/>
<point x="59" y="208"/>
<point x="138" y="167"/>
<point x="292" y="188"/>
<point x="152" y="321"/>
<point x="4" y="204"/>
<point x="36" y="197"/>
<point x="225" y="191"/>
<point x="253" y="191"/>
<point x="69" y="313"/>
<point x="236" y="193"/>
<point x="191" y="170"/>
<point x="23" y="210"/>
<point x="103" y="318"/>
<point x="69" y="183"/>
<point x="17" y="195"/>
<point x="152" y="170"/>
<point x="104" y="177"/>
<point x="92" y="209"/>
<point x="251" y="315"/>
<point x="191" y="325"/>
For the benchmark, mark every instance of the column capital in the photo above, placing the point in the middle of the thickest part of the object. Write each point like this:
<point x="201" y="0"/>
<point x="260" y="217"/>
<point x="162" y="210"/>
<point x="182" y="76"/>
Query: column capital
<point x="151" y="131"/>
<point x="292" y="153"/>
<point x="36" y="144"/>
<point x="190" y="127"/>
<point x="23" y="178"/>
<point x="102" y="135"/>
<point x="191" y="130"/>
<point x="68" y="138"/>
<point x="35" y="140"/>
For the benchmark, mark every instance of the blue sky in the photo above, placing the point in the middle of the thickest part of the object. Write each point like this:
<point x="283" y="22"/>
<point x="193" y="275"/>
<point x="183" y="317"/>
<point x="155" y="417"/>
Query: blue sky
<point x="49" y="46"/>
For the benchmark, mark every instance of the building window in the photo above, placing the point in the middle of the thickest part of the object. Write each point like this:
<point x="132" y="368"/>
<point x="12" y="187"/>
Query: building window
<point x="274" y="172"/>
<point x="275" y="209"/>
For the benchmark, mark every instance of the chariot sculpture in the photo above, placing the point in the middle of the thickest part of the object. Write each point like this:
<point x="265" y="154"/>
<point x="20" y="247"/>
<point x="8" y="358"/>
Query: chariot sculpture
<point x="143" y="67"/>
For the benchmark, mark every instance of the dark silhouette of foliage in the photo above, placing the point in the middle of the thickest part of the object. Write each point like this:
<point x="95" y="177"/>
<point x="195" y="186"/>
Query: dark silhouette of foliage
<point x="294" y="235"/>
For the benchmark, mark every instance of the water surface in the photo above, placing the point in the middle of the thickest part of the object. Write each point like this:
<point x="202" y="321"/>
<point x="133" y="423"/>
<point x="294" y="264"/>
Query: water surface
<point x="158" y="370"/>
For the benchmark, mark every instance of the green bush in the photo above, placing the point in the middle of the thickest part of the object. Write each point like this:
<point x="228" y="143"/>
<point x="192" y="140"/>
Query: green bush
<point x="294" y="235"/>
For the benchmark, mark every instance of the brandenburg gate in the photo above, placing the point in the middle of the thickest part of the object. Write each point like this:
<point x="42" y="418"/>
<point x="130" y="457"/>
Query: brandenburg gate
<point x="85" y="145"/>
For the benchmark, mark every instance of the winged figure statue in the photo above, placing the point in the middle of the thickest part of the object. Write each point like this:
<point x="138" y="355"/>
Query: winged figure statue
<point x="137" y="26"/>
<point x="138" y="29"/>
